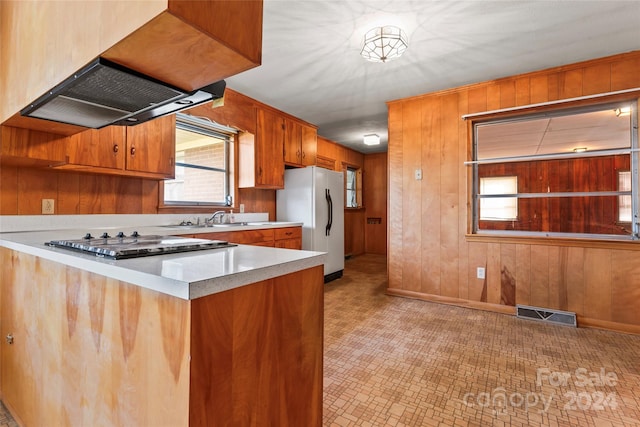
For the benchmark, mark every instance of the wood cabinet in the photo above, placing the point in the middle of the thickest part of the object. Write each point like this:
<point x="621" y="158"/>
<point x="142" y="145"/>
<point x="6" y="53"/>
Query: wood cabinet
<point x="188" y="44"/>
<point x="285" y="237"/>
<point x="261" y="237"/>
<point x="261" y="162"/>
<point x="100" y="148"/>
<point x="288" y="238"/>
<point x="92" y="350"/>
<point x="146" y="150"/>
<point x="299" y="143"/>
<point x="151" y="147"/>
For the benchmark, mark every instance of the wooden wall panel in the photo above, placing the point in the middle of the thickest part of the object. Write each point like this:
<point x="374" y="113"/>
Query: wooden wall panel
<point x="412" y="209"/>
<point x="449" y="208"/>
<point x="75" y="193"/>
<point x="597" y="284"/>
<point x="423" y="199"/>
<point x="464" y="182"/>
<point x="375" y="203"/>
<point x="396" y="196"/>
<point x="577" y="276"/>
<point x="624" y="72"/>
<point x="354" y="225"/>
<point x="625" y="287"/>
<point x="539" y="89"/>
<point x="8" y="190"/>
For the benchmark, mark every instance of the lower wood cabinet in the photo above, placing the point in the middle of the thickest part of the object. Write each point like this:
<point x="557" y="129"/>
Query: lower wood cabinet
<point x="287" y="237"/>
<point x="84" y="349"/>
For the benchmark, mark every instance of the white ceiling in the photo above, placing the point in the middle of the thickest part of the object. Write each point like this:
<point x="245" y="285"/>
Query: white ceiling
<point x="311" y="66"/>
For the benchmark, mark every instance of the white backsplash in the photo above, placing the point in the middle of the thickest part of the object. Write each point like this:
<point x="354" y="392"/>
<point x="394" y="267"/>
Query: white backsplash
<point x="13" y="223"/>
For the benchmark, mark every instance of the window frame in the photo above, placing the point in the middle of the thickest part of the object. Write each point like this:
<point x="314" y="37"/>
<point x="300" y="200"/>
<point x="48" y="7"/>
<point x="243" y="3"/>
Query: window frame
<point x="207" y="127"/>
<point x="358" y="185"/>
<point x="562" y="110"/>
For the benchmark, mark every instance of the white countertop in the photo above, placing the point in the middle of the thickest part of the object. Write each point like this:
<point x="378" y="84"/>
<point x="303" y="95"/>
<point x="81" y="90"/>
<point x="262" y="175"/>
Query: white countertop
<point x="187" y="275"/>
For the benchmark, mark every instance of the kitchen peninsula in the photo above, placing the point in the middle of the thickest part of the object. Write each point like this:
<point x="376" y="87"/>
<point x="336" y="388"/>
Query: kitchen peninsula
<point x="229" y="336"/>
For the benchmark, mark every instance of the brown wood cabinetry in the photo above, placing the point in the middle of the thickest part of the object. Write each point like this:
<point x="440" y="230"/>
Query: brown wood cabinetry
<point x="286" y="237"/>
<point x="101" y="148"/>
<point x="299" y="143"/>
<point x="188" y="44"/>
<point x="146" y="150"/>
<point x="262" y="237"/>
<point x="261" y="161"/>
<point x="151" y="147"/>
<point x="80" y="338"/>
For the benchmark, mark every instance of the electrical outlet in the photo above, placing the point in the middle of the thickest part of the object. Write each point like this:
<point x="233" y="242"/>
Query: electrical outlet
<point x="480" y="272"/>
<point x="47" y="206"/>
<point x="241" y="207"/>
<point x="418" y="174"/>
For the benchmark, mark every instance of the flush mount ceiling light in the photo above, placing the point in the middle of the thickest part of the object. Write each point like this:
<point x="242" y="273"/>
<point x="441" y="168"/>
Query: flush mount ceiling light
<point x="580" y="149"/>
<point x="371" y="139"/>
<point x="382" y="44"/>
<point x="624" y="111"/>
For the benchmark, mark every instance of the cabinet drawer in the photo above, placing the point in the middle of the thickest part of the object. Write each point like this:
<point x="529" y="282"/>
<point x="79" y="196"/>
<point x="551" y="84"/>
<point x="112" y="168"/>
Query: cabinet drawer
<point x="288" y="233"/>
<point x="289" y="244"/>
<point x="243" y="237"/>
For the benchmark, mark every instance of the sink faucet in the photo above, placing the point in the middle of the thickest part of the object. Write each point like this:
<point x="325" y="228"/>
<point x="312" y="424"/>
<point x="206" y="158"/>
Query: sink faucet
<point x="215" y="214"/>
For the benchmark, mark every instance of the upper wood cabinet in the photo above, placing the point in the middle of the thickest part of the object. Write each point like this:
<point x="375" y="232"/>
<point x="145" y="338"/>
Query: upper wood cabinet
<point x="103" y="148"/>
<point x="261" y="160"/>
<point x="186" y="43"/>
<point x="299" y="143"/>
<point x="151" y="147"/>
<point x="146" y="150"/>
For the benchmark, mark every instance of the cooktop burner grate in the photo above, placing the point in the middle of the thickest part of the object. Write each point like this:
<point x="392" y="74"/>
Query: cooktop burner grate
<point x="121" y="247"/>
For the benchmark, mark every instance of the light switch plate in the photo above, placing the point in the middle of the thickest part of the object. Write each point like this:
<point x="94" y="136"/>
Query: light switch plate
<point x="480" y="273"/>
<point x="418" y="174"/>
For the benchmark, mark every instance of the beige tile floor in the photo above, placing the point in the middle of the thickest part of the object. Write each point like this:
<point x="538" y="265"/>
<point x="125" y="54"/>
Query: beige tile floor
<point x="398" y="362"/>
<point x="393" y="361"/>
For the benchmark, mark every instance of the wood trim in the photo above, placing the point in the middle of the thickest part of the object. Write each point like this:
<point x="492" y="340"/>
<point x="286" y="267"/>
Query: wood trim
<point x="583" y="321"/>
<point x="556" y="241"/>
<point x="497" y="308"/>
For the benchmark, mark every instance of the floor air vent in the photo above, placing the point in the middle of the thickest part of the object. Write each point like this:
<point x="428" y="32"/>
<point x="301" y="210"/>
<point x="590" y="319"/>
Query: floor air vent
<point x="546" y="315"/>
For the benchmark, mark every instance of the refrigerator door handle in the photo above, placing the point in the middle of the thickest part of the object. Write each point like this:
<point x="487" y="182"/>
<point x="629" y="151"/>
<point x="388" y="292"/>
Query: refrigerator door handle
<point x="327" y="230"/>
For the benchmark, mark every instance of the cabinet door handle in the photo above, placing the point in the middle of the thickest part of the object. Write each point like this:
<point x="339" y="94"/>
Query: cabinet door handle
<point x="116" y="148"/>
<point x="133" y="151"/>
<point x="288" y="233"/>
<point x="260" y="171"/>
<point x="303" y="154"/>
<point x="9" y="339"/>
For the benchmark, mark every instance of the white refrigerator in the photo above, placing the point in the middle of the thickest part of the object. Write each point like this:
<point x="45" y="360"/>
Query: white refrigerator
<point x="315" y="197"/>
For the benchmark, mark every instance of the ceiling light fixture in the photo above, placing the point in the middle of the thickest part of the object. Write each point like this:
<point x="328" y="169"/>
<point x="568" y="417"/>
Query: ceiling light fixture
<point x="371" y="139"/>
<point x="580" y="149"/>
<point x="382" y="44"/>
<point x="622" y="111"/>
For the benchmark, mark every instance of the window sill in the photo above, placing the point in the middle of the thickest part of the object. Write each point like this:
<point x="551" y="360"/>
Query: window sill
<point x="633" y="245"/>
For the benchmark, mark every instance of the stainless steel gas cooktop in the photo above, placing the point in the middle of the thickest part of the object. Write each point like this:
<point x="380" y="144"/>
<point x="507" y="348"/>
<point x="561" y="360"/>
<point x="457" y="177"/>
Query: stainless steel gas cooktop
<point x="136" y="245"/>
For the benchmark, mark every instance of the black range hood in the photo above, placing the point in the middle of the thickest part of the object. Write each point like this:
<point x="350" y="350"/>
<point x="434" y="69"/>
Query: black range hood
<point x="104" y="93"/>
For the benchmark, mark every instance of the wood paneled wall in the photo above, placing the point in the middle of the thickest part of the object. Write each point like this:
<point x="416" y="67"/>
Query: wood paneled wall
<point x="22" y="191"/>
<point x="429" y="254"/>
<point x="375" y="203"/>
